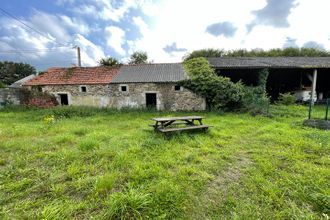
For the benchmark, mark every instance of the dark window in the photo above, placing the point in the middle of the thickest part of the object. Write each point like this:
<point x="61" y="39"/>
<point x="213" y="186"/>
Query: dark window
<point x="123" y="88"/>
<point x="64" y="100"/>
<point x="83" y="89"/>
<point x="177" y="88"/>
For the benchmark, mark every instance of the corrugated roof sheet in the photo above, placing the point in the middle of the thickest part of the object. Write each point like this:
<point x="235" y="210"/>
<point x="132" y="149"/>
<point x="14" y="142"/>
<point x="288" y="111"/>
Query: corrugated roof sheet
<point x="270" y="62"/>
<point x="162" y="72"/>
<point x="75" y="75"/>
<point x="20" y="82"/>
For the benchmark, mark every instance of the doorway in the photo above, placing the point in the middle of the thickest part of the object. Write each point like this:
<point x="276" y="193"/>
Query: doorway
<point x="64" y="100"/>
<point x="151" y="100"/>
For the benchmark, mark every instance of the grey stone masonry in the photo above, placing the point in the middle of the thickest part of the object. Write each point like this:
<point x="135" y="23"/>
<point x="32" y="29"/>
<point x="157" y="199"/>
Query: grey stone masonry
<point x="112" y="95"/>
<point x="9" y="96"/>
<point x="167" y="97"/>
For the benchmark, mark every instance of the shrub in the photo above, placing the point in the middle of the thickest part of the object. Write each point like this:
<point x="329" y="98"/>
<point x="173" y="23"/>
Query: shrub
<point x="220" y="92"/>
<point x="286" y="99"/>
<point x="33" y="98"/>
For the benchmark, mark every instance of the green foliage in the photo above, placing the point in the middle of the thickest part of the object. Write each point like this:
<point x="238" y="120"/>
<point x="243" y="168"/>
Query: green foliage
<point x="109" y="61"/>
<point x="204" y="53"/>
<point x="130" y="204"/>
<point x="277" y="52"/>
<point x="255" y="99"/>
<point x="286" y="99"/>
<point x="220" y="92"/>
<point x="2" y="85"/>
<point x="138" y="57"/>
<point x="10" y="72"/>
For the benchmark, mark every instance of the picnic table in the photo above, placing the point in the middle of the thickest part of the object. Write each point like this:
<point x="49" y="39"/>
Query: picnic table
<point x="189" y="122"/>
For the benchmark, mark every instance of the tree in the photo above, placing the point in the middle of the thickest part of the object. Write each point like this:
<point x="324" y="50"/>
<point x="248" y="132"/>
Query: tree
<point x="138" y="57"/>
<point x="109" y="61"/>
<point x="219" y="92"/>
<point x="10" y="72"/>
<point x="204" y="53"/>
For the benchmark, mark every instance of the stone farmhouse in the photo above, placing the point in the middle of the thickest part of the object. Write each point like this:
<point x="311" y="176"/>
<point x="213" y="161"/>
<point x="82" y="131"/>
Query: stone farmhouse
<point x="132" y="86"/>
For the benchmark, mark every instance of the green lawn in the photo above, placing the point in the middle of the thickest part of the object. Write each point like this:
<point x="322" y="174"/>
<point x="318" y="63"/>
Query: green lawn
<point x="107" y="164"/>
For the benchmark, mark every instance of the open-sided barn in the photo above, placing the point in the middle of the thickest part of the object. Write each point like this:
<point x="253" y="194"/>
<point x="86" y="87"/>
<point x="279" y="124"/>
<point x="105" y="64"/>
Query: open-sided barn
<point x="286" y="74"/>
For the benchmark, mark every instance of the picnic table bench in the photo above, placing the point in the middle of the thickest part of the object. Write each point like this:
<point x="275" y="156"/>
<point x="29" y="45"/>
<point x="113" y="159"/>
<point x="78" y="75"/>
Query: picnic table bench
<point x="190" y="123"/>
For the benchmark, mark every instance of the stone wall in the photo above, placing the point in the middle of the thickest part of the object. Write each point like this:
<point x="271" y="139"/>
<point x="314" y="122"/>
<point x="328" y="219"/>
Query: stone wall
<point x="134" y="97"/>
<point x="96" y="95"/>
<point x="167" y="97"/>
<point x="10" y="96"/>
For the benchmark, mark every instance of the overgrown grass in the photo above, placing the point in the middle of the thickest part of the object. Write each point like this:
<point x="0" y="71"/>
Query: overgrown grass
<point x="109" y="164"/>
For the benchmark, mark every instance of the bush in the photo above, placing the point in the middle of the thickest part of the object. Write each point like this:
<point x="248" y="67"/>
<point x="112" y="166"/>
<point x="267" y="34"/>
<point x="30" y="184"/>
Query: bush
<point x="31" y="98"/>
<point x="220" y="92"/>
<point x="255" y="102"/>
<point x="286" y="99"/>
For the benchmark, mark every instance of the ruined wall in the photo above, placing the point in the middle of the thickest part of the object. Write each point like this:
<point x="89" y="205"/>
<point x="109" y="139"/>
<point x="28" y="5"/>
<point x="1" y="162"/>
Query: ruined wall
<point x="134" y="97"/>
<point x="167" y="97"/>
<point x="96" y="95"/>
<point x="9" y="96"/>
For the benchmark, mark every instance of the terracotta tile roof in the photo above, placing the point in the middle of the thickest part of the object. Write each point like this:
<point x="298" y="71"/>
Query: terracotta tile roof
<point x="75" y="75"/>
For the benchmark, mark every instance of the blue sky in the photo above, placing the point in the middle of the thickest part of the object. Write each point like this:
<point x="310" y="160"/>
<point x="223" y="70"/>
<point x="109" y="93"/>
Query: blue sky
<point x="165" y="29"/>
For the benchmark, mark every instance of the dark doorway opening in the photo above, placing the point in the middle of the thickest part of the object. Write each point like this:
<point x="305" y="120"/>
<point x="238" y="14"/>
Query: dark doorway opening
<point x="151" y="100"/>
<point x="64" y="100"/>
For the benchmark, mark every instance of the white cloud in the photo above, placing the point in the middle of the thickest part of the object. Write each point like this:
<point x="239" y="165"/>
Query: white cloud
<point x="184" y="22"/>
<point x="104" y="9"/>
<point x="115" y="39"/>
<point x="90" y="53"/>
<point x="25" y="45"/>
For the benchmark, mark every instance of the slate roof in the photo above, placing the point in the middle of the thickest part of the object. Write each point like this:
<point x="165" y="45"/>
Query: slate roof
<point x="160" y="72"/>
<point x="75" y="75"/>
<point x="270" y="62"/>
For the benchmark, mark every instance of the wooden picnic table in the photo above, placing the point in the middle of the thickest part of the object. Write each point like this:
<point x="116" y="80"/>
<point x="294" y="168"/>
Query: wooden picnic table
<point x="190" y="123"/>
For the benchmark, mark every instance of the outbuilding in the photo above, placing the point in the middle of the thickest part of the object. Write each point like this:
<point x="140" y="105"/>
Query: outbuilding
<point x="128" y="86"/>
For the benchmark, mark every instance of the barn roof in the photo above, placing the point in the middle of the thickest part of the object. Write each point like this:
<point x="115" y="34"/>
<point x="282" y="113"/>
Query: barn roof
<point x="270" y="62"/>
<point x="20" y="82"/>
<point x="160" y="72"/>
<point x="75" y="75"/>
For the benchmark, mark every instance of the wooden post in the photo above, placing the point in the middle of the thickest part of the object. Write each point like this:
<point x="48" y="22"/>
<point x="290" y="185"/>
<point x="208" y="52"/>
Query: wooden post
<point x="327" y="109"/>
<point x="314" y="86"/>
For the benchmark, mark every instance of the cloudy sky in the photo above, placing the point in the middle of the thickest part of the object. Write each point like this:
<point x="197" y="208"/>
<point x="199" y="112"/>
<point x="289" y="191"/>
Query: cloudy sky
<point x="43" y="33"/>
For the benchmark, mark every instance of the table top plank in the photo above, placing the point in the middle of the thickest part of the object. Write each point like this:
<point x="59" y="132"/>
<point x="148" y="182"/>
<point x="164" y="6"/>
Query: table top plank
<point x="177" y="118"/>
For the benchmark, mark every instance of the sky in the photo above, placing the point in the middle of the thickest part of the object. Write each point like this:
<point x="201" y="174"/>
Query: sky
<point x="44" y="33"/>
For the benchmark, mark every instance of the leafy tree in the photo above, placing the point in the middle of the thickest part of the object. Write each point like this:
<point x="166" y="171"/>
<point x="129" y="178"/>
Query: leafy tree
<point x="204" y="53"/>
<point x="10" y="72"/>
<point x="109" y="61"/>
<point x="220" y="92"/>
<point x="138" y="57"/>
